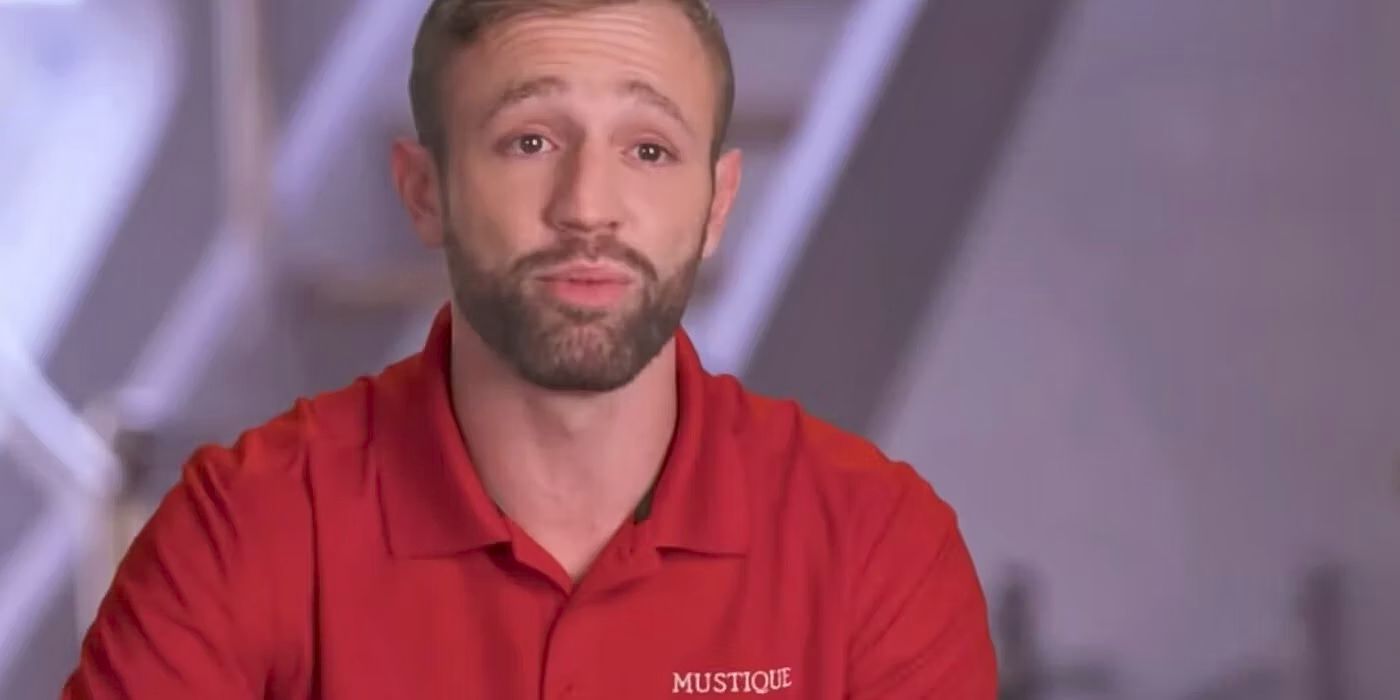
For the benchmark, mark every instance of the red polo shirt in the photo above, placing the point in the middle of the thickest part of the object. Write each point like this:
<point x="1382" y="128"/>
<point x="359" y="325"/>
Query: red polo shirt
<point x="347" y="550"/>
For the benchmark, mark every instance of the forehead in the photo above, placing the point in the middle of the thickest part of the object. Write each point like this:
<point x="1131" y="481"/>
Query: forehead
<point x="652" y="42"/>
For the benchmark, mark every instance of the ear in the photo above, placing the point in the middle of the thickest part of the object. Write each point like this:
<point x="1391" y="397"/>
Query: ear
<point x="416" y="179"/>
<point x="728" y="173"/>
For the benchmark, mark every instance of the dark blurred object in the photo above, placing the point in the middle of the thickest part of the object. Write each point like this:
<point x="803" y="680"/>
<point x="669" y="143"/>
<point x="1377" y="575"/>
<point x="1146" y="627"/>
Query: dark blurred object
<point x="1322" y="607"/>
<point x="1025" y="673"/>
<point x="1321" y="610"/>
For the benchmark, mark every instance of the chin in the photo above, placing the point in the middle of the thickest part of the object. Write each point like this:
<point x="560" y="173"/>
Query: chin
<point x="579" y="375"/>
<point x="594" y="344"/>
<point x="587" y="358"/>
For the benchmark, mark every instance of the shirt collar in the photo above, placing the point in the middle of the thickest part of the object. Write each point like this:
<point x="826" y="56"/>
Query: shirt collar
<point x="435" y="504"/>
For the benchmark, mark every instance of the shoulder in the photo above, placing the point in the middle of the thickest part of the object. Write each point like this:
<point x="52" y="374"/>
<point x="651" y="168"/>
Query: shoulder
<point x="235" y="533"/>
<point x="794" y="454"/>
<point x="250" y="504"/>
<point x="264" y="476"/>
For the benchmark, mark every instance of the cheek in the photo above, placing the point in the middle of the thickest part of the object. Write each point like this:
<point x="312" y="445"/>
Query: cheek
<point x="497" y="213"/>
<point x="670" y="212"/>
<point x="492" y="186"/>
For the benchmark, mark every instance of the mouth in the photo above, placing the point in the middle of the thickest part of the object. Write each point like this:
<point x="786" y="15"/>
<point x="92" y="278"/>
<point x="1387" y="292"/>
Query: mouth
<point x="578" y="273"/>
<point x="587" y="285"/>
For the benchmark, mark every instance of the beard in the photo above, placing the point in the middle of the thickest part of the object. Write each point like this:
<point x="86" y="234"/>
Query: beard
<point x="559" y="346"/>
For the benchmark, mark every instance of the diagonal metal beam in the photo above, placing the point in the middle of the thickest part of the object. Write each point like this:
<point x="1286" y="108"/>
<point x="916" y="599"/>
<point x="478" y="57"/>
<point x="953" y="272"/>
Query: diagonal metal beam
<point x="230" y="273"/>
<point x="884" y="242"/>
<point x="31" y="577"/>
<point x="729" y="328"/>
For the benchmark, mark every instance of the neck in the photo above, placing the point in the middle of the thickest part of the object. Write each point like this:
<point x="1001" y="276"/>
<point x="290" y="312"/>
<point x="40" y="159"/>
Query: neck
<point x="568" y="468"/>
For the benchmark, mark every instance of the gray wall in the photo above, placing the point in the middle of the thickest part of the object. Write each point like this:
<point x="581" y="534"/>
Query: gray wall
<point x="1164" y="373"/>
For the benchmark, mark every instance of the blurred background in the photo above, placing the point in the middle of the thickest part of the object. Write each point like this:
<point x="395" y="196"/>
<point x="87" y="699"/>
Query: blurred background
<point x="1118" y="276"/>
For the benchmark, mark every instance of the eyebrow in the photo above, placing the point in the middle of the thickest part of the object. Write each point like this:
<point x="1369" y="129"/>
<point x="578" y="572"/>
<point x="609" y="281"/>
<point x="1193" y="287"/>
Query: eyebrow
<point x="647" y="94"/>
<point x="544" y="86"/>
<point x="522" y="91"/>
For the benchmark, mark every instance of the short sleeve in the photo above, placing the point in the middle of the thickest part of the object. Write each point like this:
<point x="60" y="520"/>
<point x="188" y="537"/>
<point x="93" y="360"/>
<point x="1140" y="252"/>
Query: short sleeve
<point x="919" y="624"/>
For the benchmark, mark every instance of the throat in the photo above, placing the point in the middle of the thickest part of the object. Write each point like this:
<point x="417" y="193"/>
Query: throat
<point x="574" y="532"/>
<point x="574" y="551"/>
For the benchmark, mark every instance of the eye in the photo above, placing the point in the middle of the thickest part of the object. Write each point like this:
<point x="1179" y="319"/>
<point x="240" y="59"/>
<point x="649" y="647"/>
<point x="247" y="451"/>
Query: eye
<point x="652" y="153"/>
<point x="530" y="144"/>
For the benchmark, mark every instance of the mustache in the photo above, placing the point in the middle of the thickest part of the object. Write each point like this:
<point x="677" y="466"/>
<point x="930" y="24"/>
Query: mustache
<point x="591" y="249"/>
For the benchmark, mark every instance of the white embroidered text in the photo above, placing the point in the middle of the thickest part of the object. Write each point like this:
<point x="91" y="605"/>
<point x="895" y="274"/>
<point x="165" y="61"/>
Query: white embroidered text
<point x="731" y="682"/>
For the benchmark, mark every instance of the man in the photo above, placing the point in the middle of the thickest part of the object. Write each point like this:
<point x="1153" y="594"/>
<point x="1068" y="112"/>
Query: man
<point x="553" y="499"/>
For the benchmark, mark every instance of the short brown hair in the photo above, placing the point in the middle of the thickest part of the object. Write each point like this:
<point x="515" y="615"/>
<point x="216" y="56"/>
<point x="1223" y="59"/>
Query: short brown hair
<point x="450" y="25"/>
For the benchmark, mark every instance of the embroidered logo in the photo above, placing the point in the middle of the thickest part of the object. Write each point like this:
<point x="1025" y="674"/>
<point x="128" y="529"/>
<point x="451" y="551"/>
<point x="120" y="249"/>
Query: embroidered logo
<point x="731" y="682"/>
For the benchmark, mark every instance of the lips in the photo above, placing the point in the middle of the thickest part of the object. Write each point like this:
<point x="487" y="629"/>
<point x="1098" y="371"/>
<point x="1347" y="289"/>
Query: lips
<point x="587" y="274"/>
<point x="587" y="285"/>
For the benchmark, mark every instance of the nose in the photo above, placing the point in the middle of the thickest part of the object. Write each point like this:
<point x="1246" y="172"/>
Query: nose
<point x="586" y="199"/>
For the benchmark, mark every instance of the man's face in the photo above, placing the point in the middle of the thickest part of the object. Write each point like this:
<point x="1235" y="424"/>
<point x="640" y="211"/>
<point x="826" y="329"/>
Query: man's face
<point x="578" y="189"/>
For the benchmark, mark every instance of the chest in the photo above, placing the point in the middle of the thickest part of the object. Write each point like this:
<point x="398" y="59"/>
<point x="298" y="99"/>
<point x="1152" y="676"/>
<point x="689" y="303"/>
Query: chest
<point x="635" y="627"/>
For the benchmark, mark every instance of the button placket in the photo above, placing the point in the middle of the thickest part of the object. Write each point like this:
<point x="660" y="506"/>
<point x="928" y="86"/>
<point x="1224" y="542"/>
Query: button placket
<point x="564" y="651"/>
